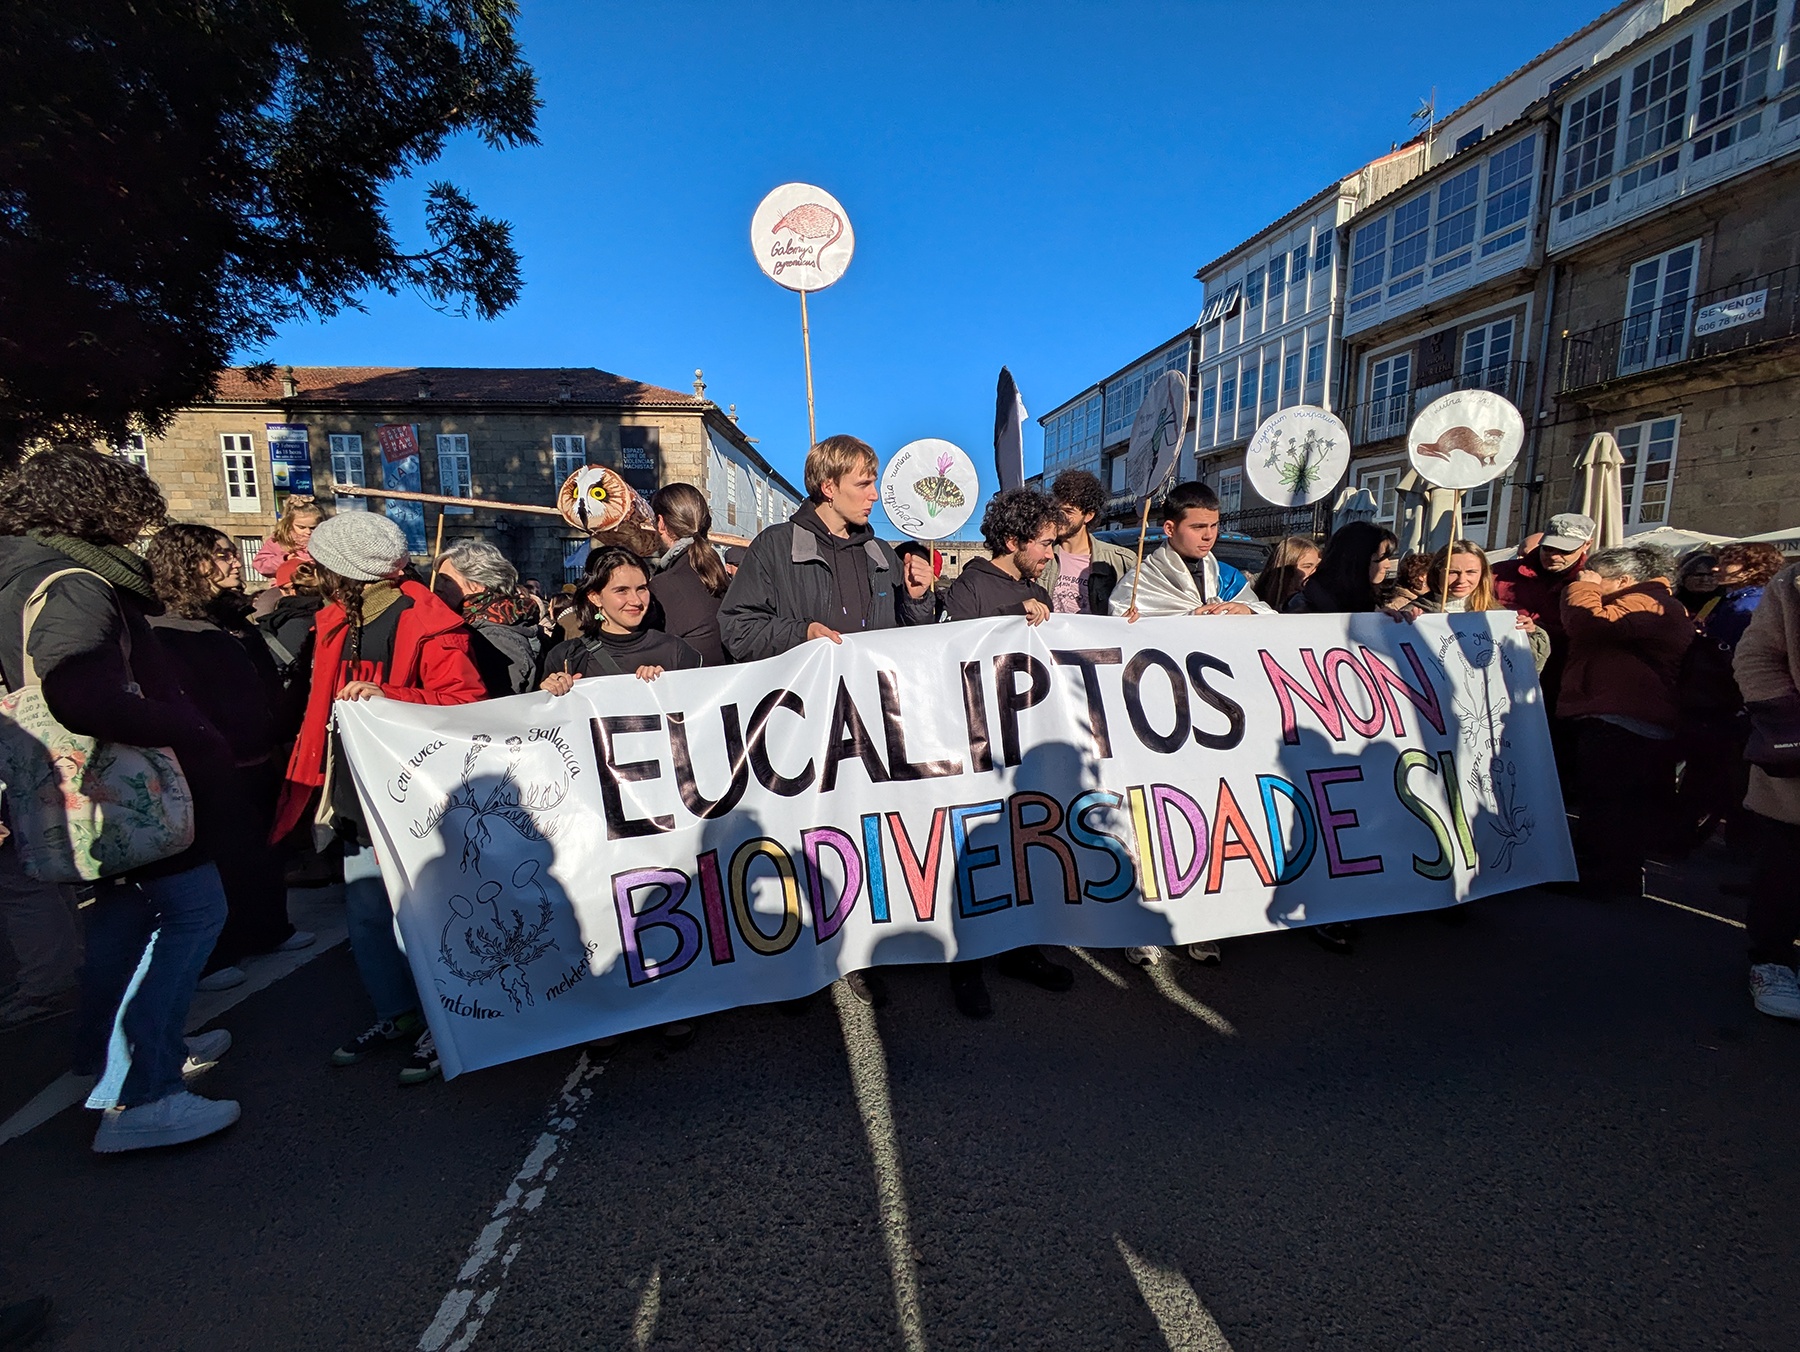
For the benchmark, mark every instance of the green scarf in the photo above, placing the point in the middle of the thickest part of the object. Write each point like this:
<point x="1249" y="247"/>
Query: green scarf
<point x="118" y="565"/>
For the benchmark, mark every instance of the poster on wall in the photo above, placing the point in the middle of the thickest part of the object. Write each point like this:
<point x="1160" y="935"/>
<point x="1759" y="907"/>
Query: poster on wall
<point x="399" y="444"/>
<point x="290" y="457"/>
<point x="640" y="458"/>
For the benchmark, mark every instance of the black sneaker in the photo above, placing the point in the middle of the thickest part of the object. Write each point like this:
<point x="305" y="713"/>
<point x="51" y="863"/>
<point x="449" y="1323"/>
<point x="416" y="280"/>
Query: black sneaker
<point x="1027" y="964"/>
<point x="378" y="1035"/>
<point x="970" y="990"/>
<point x="868" y="987"/>
<point x="675" y="1036"/>
<point x="422" y="1065"/>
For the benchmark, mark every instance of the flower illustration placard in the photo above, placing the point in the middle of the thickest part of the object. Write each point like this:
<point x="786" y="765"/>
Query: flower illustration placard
<point x="1297" y="456"/>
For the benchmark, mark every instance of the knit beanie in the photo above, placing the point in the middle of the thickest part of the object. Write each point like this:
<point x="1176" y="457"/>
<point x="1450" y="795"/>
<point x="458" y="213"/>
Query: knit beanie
<point x="360" y="546"/>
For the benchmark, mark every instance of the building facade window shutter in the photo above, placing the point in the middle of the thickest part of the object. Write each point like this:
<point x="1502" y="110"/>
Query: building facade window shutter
<point x="243" y="485"/>
<point x="454" y="476"/>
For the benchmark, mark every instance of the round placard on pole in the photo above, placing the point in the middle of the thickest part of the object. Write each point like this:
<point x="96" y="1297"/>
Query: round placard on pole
<point x="929" y="489"/>
<point x="1297" y="456"/>
<point x="1465" y="439"/>
<point x="1156" y="434"/>
<point x="801" y="237"/>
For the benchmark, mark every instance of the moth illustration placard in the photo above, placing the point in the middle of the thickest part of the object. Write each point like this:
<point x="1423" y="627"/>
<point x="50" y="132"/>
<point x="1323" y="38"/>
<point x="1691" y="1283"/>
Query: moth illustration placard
<point x="929" y="489"/>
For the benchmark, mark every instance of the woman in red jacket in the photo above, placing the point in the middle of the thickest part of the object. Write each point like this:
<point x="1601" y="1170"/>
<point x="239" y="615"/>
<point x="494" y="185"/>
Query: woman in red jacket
<point x="377" y="637"/>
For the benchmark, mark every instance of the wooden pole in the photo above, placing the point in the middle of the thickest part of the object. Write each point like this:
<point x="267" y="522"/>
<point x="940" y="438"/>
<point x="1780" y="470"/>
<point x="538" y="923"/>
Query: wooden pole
<point x="1143" y="526"/>
<point x="812" y="429"/>
<point x="1450" y="545"/>
<point x="444" y="500"/>
<point x="437" y="549"/>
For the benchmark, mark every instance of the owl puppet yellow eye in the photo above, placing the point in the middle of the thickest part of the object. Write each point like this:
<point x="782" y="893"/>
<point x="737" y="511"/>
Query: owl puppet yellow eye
<point x="597" y="492"/>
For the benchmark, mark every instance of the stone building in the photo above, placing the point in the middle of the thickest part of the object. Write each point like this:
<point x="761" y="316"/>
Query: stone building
<point x="1674" y="245"/>
<point x="505" y="434"/>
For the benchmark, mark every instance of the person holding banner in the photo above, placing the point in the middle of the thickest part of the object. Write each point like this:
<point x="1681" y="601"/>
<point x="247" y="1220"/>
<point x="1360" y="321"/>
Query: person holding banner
<point x="1084" y="572"/>
<point x="1019" y="528"/>
<point x="613" y="601"/>
<point x="1358" y="558"/>
<point x="377" y="637"/>
<point x="1183" y="576"/>
<point x="823" y="574"/>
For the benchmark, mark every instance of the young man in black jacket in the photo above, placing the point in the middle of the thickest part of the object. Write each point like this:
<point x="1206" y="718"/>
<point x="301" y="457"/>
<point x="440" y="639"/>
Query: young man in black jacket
<point x="1020" y="530"/>
<point x="823" y="574"/>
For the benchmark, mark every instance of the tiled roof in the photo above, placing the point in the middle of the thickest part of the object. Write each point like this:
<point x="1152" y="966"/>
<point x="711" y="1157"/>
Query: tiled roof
<point x="448" y="385"/>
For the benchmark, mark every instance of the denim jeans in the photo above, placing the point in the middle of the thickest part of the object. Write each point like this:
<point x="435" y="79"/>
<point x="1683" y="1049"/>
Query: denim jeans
<point x="180" y="916"/>
<point x="370" y="916"/>
<point x="39" y="919"/>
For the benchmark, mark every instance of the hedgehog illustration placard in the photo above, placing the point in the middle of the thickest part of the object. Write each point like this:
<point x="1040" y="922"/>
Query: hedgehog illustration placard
<point x="1297" y="456"/>
<point x="1465" y="439"/>
<point x="929" y="489"/>
<point x="801" y="237"/>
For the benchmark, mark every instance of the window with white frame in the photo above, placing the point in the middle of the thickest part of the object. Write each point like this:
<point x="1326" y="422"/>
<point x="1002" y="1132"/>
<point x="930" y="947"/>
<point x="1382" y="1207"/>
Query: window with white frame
<point x="1457" y="205"/>
<point x="1389" y="384"/>
<point x="1590" y="139"/>
<point x="731" y="494"/>
<point x="1322" y="251"/>
<point x="243" y="491"/>
<point x="1277" y="285"/>
<point x="1406" y="261"/>
<point x="1247" y="391"/>
<point x="1507" y="207"/>
<point x="1224" y="305"/>
<point x="347" y="468"/>
<point x="1231" y="491"/>
<point x="1227" y="395"/>
<point x="1656" y="114"/>
<point x="1209" y="400"/>
<point x="1734" y="65"/>
<point x="1791" y="78"/>
<point x="454" y="478"/>
<point x="1648" y="474"/>
<point x="1656" y="310"/>
<point x="1315" y="364"/>
<point x="1253" y="289"/>
<point x="1290" y="374"/>
<point x="1368" y="264"/>
<point x="1271" y="370"/>
<point x="135" y="449"/>
<point x="1115" y="474"/>
<point x="1487" y="353"/>
<point x="1384" y="486"/>
<point x="1477" y="513"/>
<point x="567" y="454"/>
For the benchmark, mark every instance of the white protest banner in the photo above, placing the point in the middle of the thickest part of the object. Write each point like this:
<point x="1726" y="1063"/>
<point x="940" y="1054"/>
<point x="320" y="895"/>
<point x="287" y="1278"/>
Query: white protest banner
<point x="634" y="853"/>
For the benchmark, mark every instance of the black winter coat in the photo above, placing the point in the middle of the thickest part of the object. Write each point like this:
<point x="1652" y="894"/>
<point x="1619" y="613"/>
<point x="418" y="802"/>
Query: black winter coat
<point x="982" y="591"/>
<point x="232" y="678"/>
<point x="621" y="654"/>
<point x="787" y="582"/>
<point x="682" y="606"/>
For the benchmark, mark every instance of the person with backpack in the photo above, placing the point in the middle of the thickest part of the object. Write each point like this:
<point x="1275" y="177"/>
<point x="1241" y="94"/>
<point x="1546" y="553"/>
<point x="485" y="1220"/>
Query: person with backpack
<point x="68" y="519"/>
<point x="379" y="636"/>
<point x="690" y="579"/>
<point x="507" y="638"/>
<point x="227" y="669"/>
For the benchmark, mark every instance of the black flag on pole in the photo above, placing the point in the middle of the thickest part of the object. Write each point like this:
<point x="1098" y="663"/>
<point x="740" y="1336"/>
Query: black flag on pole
<point x="1009" y="433"/>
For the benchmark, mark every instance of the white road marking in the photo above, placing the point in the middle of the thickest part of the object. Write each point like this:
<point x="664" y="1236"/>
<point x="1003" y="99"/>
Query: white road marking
<point x="465" y="1306"/>
<point x="868" y="1077"/>
<point x="649" y="1306"/>
<point x="318" y="910"/>
<point x="1186" y="1326"/>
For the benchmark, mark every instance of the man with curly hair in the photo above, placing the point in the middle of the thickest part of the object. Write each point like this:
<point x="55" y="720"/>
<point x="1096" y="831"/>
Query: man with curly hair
<point x="1020" y="530"/>
<point x="77" y="513"/>
<point x="1084" y="571"/>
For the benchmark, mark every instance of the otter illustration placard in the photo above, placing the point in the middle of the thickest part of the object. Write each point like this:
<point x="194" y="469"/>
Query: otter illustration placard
<point x="1297" y="456"/>
<point x="801" y="237"/>
<point x="1465" y="439"/>
<point x="929" y="489"/>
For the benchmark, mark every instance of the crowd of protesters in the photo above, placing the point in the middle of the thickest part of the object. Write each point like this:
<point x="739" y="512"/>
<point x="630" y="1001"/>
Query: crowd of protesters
<point x="1668" y="688"/>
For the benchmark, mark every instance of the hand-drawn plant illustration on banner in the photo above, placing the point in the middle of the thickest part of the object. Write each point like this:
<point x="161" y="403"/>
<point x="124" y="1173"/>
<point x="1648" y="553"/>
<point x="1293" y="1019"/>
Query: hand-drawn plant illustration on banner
<point x="499" y="949"/>
<point x="524" y="809"/>
<point x="1482" y="704"/>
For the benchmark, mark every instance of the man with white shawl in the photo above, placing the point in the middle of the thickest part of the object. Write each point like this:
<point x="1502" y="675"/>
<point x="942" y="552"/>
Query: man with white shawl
<point x="1182" y="576"/>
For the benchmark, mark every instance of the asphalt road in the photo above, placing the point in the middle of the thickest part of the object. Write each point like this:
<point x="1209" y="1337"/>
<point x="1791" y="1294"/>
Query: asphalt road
<point x="1558" y="1126"/>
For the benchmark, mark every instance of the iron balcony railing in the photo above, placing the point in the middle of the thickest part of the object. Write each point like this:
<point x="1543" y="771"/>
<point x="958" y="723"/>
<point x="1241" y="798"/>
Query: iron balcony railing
<point x="1391" y="414"/>
<point x="1725" y="319"/>
<point x="1275" y="523"/>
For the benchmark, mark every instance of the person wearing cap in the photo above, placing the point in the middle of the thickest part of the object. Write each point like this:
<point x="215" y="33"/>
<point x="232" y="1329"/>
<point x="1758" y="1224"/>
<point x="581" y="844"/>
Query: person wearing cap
<point x="1533" y="584"/>
<point x="377" y="637"/>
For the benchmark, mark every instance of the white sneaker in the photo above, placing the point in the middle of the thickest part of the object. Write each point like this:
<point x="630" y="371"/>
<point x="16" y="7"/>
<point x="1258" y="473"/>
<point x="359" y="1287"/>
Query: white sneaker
<point x="1774" y="990"/>
<point x="222" y="980"/>
<point x="1207" y="953"/>
<point x="173" y="1120"/>
<point x="296" y="941"/>
<point x="204" y="1051"/>
<point x="1147" y="956"/>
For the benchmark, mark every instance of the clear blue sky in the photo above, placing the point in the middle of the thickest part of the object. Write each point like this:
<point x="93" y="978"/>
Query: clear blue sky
<point x="1031" y="185"/>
